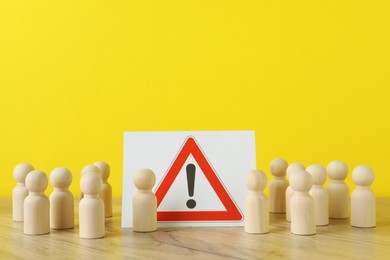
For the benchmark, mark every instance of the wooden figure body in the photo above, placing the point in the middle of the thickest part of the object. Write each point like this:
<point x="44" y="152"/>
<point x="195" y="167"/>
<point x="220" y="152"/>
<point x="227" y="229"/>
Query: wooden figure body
<point x="106" y="192"/>
<point x="363" y="208"/>
<point x="277" y="186"/>
<point x="256" y="204"/>
<point x="61" y="200"/>
<point x="302" y="204"/>
<point x="36" y="205"/>
<point x="289" y="191"/>
<point x="144" y="202"/>
<point x="88" y="169"/>
<point x="339" y="202"/>
<point x="20" y="192"/>
<point x="319" y="194"/>
<point x="91" y="207"/>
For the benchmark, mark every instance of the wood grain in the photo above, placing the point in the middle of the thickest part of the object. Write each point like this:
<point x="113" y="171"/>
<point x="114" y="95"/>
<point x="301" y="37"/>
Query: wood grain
<point x="338" y="240"/>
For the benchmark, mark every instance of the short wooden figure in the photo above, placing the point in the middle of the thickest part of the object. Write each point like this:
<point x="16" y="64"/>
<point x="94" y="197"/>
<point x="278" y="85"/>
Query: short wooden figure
<point x="144" y="202"/>
<point x="319" y="194"/>
<point x="363" y="209"/>
<point x="302" y="204"/>
<point x="88" y="169"/>
<point x="256" y="204"/>
<point x="36" y="205"/>
<point x="277" y="186"/>
<point x="106" y="193"/>
<point x="61" y="200"/>
<point x="289" y="191"/>
<point x="339" y="202"/>
<point x="91" y="207"/>
<point x="20" y="191"/>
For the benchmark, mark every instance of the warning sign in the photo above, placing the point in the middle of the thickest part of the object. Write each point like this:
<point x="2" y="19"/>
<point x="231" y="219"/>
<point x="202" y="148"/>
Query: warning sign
<point x="191" y="148"/>
<point x="199" y="175"/>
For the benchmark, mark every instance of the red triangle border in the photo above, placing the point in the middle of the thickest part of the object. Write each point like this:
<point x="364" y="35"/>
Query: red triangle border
<point x="232" y="212"/>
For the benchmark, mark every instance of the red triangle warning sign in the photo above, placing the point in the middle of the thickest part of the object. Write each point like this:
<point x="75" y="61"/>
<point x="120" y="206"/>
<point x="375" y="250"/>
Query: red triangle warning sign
<point x="232" y="213"/>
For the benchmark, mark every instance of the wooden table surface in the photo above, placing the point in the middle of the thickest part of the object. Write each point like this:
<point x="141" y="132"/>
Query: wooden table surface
<point x="338" y="240"/>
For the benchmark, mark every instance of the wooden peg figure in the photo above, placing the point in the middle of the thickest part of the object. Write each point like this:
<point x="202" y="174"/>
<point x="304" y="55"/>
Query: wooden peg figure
<point x="339" y="202"/>
<point x="88" y="169"/>
<point x="91" y="207"/>
<point x="256" y="204"/>
<point x="144" y="202"/>
<point x="106" y="193"/>
<point x="36" y="205"/>
<point x="289" y="191"/>
<point x="319" y="194"/>
<point x="302" y="204"/>
<point x="20" y="191"/>
<point x="277" y="186"/>
<point x="363" y="209"/>
<point x="61" y="200"/>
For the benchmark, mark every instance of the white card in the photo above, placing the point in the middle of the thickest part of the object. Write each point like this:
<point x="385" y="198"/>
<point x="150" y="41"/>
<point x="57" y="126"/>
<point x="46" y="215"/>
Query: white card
<point x="200" y="175"/>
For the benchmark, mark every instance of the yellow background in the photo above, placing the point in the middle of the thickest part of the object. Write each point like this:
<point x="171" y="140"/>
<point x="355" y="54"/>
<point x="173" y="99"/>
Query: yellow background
<point x="311" y="77"/>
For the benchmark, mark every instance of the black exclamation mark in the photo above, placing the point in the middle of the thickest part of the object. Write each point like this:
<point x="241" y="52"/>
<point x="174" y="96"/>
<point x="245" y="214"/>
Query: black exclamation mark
<point x="191" y="184"/>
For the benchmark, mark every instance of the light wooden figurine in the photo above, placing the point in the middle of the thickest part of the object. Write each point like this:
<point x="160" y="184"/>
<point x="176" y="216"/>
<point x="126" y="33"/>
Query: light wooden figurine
<point x="144" y="202"/>
<point x="363" y="208"/>
<point x="277" y="186"/>
<point x="319" y="194"/>
<point x="256" y="204"/>
<point x="339" y="202"/>
<point x="302" y="204"/>
<point x="20" y="192"/>
<point x="106" y="193"/>
<point x="36" y="205"/>
<point x="289" y="191"/>
<point x="61" y="200"/>
<point x="91" y="207"/>
<point x="88" y="169"/>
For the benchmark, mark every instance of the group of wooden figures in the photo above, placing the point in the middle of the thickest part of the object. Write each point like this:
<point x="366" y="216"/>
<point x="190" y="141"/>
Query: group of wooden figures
<point x="305" y="201"/>
<point x="40" y="213"/>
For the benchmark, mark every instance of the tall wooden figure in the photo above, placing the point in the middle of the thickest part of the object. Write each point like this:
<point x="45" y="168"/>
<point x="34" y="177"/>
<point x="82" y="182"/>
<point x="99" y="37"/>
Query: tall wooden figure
<point x="363" y="210"/>
<point x="61" y="200"/>
<point x="106" y="193"/>
<point x="339" y="202"/>
<point x="91" y="207"/>
<point x="256" y="204"/>
<point x="88" y="169"/>
<point x="303" y="220"/>
<point x="277" y="186"/>
<point x="319" y="194"/>
<point x="144" y="202"/>
<point x="289" y="191"/>
<point x="36" y="205"/>
<point x="20" y="192"/>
